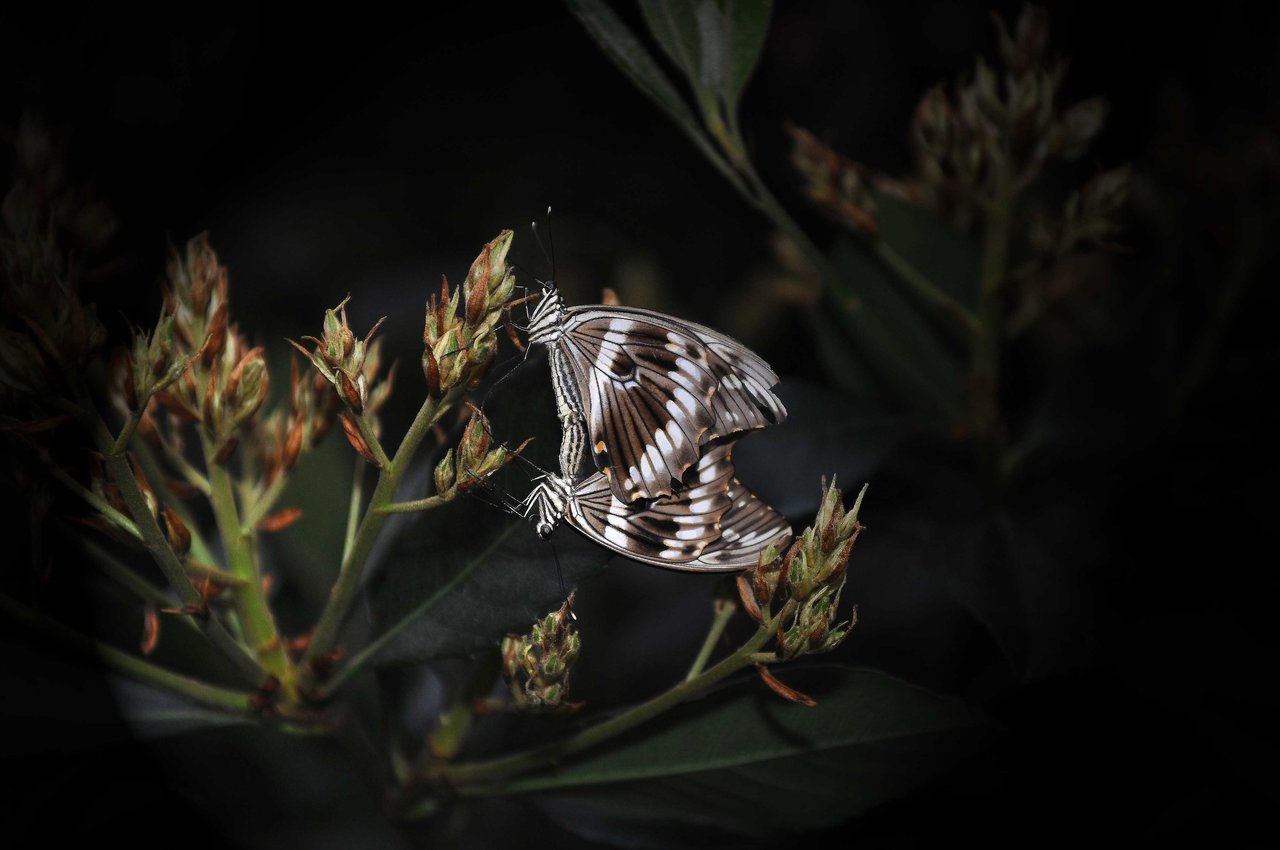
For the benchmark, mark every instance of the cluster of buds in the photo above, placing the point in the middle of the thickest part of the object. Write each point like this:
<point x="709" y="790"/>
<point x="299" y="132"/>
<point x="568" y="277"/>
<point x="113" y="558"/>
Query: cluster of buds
<point x="285" y="433"/>
<point x="151" y="364"/>
<point x="537" y="665"/>
<point x="349" y="363"/>
<point x="458" y="336"/>
<point x="1089" y="216"/>
<point x="811" y="575"/>
<point x="835" y="185"/>
<point x="196" y="297"/>
<point x="476" y="458"/>
<point x="1001" y="122"/>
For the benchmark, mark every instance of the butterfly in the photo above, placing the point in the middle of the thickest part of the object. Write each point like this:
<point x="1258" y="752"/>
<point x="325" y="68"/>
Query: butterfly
<point x="713" y="524"/>
<point x="651" y="390"/>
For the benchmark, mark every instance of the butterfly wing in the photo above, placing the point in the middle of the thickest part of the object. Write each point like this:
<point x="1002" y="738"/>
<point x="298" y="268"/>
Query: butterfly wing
<point x="656" y="388"/>
<point x="666" y="533"/>
<point x="746" y="530"/>
<point x="646" y="386"/>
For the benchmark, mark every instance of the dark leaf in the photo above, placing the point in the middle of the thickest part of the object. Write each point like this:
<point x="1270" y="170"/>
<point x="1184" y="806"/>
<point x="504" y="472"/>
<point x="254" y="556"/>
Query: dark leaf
<point x="825" y="433"/>
<point x="464" y="575"/>
<point x="944" y="255"/>
<point x="746" y="23"/>
<point x="899" y="344"/>
<point x="674" y="25"/>
<point x="742" y="758"/>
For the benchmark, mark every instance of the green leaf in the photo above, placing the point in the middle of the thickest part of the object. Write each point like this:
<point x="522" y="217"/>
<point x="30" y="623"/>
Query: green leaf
<point x="743" y="756"/>
<point x="901" y="348"/>
<point x="711" y="43"/>
<point x="629" y="55"/>
<point x="464" y="575"/>
<point x="944" y="255"/>
<point x="152" y="713"/>
<point x="745" y="22"/>
<point x="674" y="25"/>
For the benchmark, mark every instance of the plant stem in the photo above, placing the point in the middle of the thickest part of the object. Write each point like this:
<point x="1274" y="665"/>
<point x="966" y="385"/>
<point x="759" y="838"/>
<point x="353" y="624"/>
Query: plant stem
<point x="132" y="583"/>
<point x="262" y="505"/>
<point x="126" y="664"/>
<point x="416" y="505"/>
<point x="353" y="507"/>
<point x="371" y="439"/>
<point x="147" y="459"/>
<point x="192" y="475"/>
<point x="471" y="773"/>
<point x="957" y="321"/>
<point x="130" y="425"/>
<point x="251" y="603"/>
<point x="92" y="498"/>
<point x="724" y="610"/>
<point x="984" y="374"/>
<point x="344" y="589"/>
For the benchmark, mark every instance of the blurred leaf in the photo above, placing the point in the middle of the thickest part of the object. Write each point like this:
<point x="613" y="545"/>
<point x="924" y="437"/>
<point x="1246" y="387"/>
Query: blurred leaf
<point x="900" y="345"/>
<point x="742" y="756"/>
<point x="464" y="575"/>
<point x="628" y="54"/>
<point x="746" y="23"/>
<point x="711" y="41"/>
<point x="943" y="254"/>
<point x="825" y="433"/>
<point x="153" y="713"/>
<point x="674" y="25"/>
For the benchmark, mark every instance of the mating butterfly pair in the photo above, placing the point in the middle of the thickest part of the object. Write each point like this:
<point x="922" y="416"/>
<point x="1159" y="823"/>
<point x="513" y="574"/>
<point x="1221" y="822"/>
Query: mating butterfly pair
<point x="661" y="401"/>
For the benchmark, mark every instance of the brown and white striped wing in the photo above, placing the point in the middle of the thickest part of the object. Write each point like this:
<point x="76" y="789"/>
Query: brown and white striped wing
<point x="646" y="388"/>
<point x="670" y="532"/>
<point x="656" y="388"/>
<point x="746" y="530"/>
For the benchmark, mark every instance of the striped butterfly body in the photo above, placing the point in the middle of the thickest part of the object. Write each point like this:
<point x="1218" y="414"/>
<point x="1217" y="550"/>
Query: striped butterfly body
<point x="713" y="524"/>
<point x="646" y="392"/>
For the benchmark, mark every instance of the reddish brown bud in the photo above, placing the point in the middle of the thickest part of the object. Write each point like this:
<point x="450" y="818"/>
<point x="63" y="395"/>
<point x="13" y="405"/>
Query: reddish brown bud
<point x="280" y="520"/>
<point x="432" y="370"/>
<point x="150" y="629"/>
<point x="350" y="392"/>
<point x="216" y="337"/>
<point x="477" y="297"/>
<point x="352" y="430"/>
<point x="176" y="530"/>
<point x="782" y="690"/>
<point x="292" y="443"/>
<point x="748" y="599"/>
<point x="226" y="450"/>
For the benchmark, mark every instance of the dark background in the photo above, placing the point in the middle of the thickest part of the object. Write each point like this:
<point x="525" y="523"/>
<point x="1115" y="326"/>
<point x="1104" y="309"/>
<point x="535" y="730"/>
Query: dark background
<point x="365" y="154"/>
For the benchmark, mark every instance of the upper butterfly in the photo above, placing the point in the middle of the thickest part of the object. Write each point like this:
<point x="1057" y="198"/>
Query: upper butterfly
<point x="651" y="389"/>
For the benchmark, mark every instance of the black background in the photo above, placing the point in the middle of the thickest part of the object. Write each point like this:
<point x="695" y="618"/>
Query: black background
<point x="364" y="153"/>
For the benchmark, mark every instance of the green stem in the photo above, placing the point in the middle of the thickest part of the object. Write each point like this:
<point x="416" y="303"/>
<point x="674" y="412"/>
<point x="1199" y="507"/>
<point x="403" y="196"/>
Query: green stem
<point x="92" y="498"/>
<point x="984" y="374"/>
<point x="130" y="425"/>
<point x="956" y="320"/>
<point x="251" y="603"/>
<point x="344" y="589"/>
<point x="262" y="505"/>
<point x="132" y="583"/>
<point x="199" y="547"/>
<point x="371" y="439"/>
<point x="426" y="504"/>
<point x="353" y="507"/>
<point x="192" y="475"/>
<point x="472" y="773"/>
<point x="724" y="610"/>
<point x="126" y="664"/>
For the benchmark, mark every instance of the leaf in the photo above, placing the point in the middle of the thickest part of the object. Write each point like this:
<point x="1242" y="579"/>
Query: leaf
<point x="464" y="575"/>
<point x="152" y="713"/>
<point x="746" y="22"/>
<point x="629" y="55"/>
<point x="744" y="758"/>
<point x="901" y="348"/>
<point x="946" y="256"/>
<point x="825" y="433"/>
<point x="711" y="42"/>
<point x="674" y="25"/>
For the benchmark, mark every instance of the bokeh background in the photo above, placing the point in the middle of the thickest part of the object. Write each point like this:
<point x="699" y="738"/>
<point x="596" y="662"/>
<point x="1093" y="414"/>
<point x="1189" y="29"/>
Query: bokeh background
<point x="368" y="154"/>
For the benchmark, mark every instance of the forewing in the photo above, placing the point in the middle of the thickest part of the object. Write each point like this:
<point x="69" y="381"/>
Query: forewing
<point x="670" y="532"/>
<point x="647" y="388"/>
<point x="743" y="399"/>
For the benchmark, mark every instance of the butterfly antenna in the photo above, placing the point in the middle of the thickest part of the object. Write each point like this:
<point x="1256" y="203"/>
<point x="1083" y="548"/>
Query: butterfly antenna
<point x="549" y="255"/>
<point x="564" y="592"/>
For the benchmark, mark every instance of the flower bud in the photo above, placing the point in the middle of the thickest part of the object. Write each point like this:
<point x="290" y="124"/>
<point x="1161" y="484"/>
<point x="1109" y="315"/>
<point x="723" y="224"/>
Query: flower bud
<point x="445" y="473"/>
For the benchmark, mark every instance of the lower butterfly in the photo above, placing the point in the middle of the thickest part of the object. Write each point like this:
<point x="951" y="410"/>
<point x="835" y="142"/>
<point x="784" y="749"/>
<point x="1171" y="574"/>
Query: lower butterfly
<point x="713" y="524"/>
